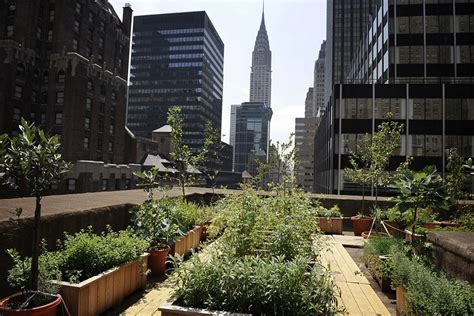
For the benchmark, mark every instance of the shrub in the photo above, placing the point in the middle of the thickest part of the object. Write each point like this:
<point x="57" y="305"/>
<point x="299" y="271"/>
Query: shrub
<point x="86" y="254"/>
<point x="380" y="246"/>
<point x="258" y="285"/>
<point x="334" y="211"/>
<point x="428" y="292"/>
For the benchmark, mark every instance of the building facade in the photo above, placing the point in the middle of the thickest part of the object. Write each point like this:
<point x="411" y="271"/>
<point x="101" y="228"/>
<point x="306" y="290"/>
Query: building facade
<point x="319" y="73"/>
<point x="346" y="22"/>
<point x="252" y="134"/>
<point x="305" y="130"/>
<point x="415" y="63"/>
<point x="261" y="74"/>
<point x="66" y="70"/>
<point x="177" y="60"/>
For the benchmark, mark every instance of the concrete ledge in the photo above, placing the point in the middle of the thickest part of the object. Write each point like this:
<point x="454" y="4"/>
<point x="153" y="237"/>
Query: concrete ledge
<point x="454" y="253"/>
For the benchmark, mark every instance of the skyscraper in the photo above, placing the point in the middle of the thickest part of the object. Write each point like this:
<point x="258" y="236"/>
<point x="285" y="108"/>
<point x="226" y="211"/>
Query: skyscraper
<point x="177" y="59"/>
<point x="251" y="134"/>
<point x="346" y="22"/>
<point x="318" y="93"/>
<point x="261" y="74"/>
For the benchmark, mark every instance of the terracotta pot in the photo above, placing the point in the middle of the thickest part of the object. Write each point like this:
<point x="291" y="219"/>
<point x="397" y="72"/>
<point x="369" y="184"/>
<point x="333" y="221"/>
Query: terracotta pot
<point x="157" y="261"/>
<point x="45" y="310"/>
<point x="361" y="224"/>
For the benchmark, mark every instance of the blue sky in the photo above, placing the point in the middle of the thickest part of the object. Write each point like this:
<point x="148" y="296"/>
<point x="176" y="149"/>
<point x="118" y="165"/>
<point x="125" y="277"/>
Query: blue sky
<point x="295" y="29"/>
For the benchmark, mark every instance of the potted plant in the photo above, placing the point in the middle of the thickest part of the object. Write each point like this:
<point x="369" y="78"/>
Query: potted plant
<point x="152" y="221"/>
<point x="420" y="190"/>
<point x="330" y="220"/>
<point x="32" y="162"/>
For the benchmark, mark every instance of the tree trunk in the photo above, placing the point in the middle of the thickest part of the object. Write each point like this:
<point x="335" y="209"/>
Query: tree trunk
<point x="363" y="199"/>
<point x="413" y="227"/>
<point x="35" y="250"/>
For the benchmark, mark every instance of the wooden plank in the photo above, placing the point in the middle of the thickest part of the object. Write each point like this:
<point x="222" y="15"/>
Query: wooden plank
<point x="336" y="269"/>
<point x="93" y="310"/>
<point x="361" y="299"/>
<point x="346" y="260"/>
<point x="102" y="294"/>
<point x="127" y="279"/>
<point x="83" y="307"/>
<point x="109" y="290"/>
<point x="374" y="300"/>
<point x="348" y="299"/>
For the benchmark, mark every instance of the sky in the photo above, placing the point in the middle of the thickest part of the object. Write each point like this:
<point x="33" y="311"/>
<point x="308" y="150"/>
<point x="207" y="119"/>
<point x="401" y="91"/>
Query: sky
<point x="296" y="29"/>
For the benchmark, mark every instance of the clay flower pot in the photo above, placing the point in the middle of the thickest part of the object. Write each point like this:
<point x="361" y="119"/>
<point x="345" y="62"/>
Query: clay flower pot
<point x="157" y="261"/>
<point x="45" y="310"/>
<point x="361" y="224"/>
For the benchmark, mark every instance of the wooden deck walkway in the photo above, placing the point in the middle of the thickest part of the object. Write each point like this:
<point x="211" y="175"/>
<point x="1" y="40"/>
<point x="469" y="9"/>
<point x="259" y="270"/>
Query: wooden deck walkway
<point x="357" y="296"/>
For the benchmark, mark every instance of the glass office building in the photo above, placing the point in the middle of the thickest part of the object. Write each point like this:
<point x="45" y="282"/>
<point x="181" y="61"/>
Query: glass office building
<point x="177" y="60"/>
<point x="414" y="61"/>
<point x="251" y="134"/>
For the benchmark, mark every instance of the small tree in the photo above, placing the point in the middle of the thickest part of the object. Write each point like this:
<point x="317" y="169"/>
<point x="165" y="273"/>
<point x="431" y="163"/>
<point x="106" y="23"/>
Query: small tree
<point x="32" y="160"/>
<point x="212" y="161"/>
<point x="186" y="161"/>
<point x="456" y="176"/>
<point x="421" y="190"/>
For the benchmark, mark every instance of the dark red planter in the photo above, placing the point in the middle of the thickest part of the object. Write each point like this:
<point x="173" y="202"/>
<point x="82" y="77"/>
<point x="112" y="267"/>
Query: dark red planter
<point x="361" y="224"/>
<point x="157" y="261"/>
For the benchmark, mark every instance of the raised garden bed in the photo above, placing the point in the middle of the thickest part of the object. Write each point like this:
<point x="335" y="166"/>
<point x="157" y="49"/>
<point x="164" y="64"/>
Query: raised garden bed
<point x="99" y="293"/>
<point x="185" y="244"/>
<point x="330" y="225"/>
<point x="176" y="310"/>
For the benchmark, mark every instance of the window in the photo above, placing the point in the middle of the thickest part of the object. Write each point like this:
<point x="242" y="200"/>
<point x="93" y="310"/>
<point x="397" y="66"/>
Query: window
<point x="101" y="42"/>
<point x="74" y="44"/>
<point x="34" y="96"/>
<point x="51" y="15"/>
<point x="99" y="144"/>
<point x="10" y="29"/>
<point x="58" y="119"/>
<point x="88" y="104"/>
<point x="87" y="123"/>
<point x="60" y="97"/>
<point x="77" y="26"/>
<point x="91" y="17"/>
<point x="90" y="85"/>
<point x="111" y="147"/>
<point x="38" y="33"/>
<point x="50" y="35"/>
<point x="61" y="76"/>
<point x="78" y="8"/>
<point x="102" y="90"/>
<point x="104" y="184"/>
<point x="16" y="114"/>
<point x="86" y="143"/>
<point x="43" y="118"/>
<point x="111" y="129"/>
<point x="20" y="70"/>
<point x="101" y="126"/>
<point x="102" y="26"/>
<point x="18" y="92"/>
<point x="71" y="184"/>
<point x="45" y="77"/>
<point x="101" y="107"/>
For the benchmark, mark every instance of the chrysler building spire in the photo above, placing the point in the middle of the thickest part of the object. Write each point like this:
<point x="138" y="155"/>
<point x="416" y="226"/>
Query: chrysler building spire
<point x="261" y="73"/>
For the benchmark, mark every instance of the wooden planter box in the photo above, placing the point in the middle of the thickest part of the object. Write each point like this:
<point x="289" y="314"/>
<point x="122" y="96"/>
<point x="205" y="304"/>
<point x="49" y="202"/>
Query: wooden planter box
<point x="383" y="281"/>
<point x="331" y="225"/>
<point x="402" y="301"/>
<point x="101" y="292"/>
<point x="175" y="310"/>
<point x="186" y="243"/>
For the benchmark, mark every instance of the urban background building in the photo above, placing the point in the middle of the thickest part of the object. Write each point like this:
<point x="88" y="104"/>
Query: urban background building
<point x="415" y="62"/>
<point x="318" y="90"/>
<point x="251" y="136"/>
<point x="66" y="70"/>
<point x="177" y="60"/>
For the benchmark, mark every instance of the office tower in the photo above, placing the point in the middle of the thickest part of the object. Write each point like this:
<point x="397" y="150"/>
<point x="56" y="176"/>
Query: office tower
<point x="261" y="74"/>
<point x="251" y="135"/>
<point x="65" y="67"/>
<point x="318" y="93"/>
<point x="346" y="22"/>
<point x="414" y="61"/>
<point x="309" y="105"/>
<point x="233" y="122"/>
<point x="177" y="60"/>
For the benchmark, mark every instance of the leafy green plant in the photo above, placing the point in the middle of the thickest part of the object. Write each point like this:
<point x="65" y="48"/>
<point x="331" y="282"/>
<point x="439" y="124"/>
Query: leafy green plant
<point x="154" y="222"/>
<point x="456" y="177"/>
<point x="421" y="190"/>
<point x="33" y="161"/>
<point x="430" y="293"/>
<point x="258" y="285"/>
<point x="334" y="211"/>
<point x="377" y="246"/>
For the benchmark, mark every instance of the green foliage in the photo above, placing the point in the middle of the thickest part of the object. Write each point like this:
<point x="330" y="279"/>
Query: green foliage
<point x="456" y="177"/>
<point x="258" y="285"/>
<point x="19" y="276"/>
<point x="86" y="254"/>
<point x="373" y="154"/>
<point x="380" y="246"/>
<point x="32" y="158"/>
<point x="212" y="162"/>
<point x="184" y="159"/>
<point x="334" y="211"/>
<point x="430" y="293"/>
<point x="421" y="190"/>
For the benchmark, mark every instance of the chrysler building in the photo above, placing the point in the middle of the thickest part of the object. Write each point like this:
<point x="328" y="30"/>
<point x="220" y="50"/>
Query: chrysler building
<point x="261" y="75"/>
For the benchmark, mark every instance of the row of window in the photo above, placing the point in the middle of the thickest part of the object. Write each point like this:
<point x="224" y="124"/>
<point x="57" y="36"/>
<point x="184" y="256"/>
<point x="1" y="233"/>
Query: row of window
<point x="171" y="56"/>
<point x="86" y="144"/>
<point x="418" y="109"/>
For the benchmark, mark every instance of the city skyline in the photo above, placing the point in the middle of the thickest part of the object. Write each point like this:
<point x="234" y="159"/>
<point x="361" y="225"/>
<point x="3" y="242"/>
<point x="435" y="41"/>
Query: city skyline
<point x="295" y="46"/>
